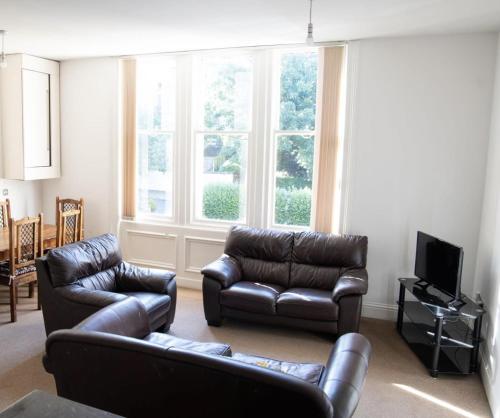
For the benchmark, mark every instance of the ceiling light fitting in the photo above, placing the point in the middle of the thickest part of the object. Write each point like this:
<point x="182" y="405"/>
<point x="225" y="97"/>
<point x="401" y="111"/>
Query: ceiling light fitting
<point x="3" y="59"/>
<point x="309" y="38"/>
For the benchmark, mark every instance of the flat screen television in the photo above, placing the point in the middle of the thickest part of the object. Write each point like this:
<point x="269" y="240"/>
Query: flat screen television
<point x="439" y="264"/>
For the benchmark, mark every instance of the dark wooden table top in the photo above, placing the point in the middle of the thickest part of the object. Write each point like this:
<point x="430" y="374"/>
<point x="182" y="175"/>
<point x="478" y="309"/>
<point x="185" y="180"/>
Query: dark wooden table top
<point x="39" y="404"/>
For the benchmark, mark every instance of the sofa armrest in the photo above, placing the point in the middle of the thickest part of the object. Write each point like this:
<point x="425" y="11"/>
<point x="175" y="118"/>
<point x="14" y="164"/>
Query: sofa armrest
<point x="352" y="282"/>
<point x="130" y="278"/>
<point x="345" y="373"/>
<point x="225" y="270"/>
<point x="81" y="295"/>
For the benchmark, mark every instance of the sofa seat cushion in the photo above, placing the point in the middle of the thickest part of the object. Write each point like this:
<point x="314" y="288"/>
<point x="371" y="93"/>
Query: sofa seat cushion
<point x="252" y="297"/>
<point x="310" y="372"/>
<point x="169" y="341"/>
<point x="308" y="304"/>
<point x="157" y="305"/>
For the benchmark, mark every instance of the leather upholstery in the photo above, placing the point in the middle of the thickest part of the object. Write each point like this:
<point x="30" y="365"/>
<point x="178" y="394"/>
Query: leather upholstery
<point x="78" y="279"/>
<point x="105" y="363"/>
<point x="308" y="304"/>
<point x="251" y="297"/>
<point x="265" y="258"/>
<point x="309" y="372"/>
<point x="274" y="276"/>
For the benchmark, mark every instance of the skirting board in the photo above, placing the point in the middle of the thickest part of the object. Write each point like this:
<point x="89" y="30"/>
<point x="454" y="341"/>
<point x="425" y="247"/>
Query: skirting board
<point x="370" y="309"/>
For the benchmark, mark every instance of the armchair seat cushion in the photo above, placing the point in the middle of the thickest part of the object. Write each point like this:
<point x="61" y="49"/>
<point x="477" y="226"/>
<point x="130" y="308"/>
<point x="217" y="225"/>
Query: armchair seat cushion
<point x="157" y="305"/>
<point x="308" y="304"/>
<point x="252" y="297"/>
<point x="169" y="341"/>
<point x="310" y="372"/>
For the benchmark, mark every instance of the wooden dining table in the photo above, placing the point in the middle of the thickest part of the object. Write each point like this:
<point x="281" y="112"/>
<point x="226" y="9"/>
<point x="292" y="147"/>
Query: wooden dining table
<point x="49" y="240"/>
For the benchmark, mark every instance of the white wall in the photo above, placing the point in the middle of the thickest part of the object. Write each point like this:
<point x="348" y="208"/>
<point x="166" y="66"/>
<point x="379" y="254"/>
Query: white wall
<point x="418" y="140"/>
<point x="419" y="136"/>
<point x="89" y="147"/>
<point x="488" y="259"/>
<point x="25" y="197"/>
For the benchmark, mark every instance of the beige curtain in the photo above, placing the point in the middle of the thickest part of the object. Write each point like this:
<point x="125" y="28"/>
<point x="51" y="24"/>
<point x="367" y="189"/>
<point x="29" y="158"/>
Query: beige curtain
<point x="129" y="136"/>
<point x="331" y="74"/>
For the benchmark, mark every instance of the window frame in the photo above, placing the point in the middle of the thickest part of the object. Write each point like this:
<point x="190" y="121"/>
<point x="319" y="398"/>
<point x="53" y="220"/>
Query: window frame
<point x="197" y="130"/>
<point x="275" y="132"/>
<point x="261" y="142"/>
<point x="145" y="216"/>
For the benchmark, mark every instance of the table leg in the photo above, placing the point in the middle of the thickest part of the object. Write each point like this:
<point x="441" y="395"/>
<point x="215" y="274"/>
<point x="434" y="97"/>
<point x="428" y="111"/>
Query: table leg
<point x="476" y="339"/>
<point x="438" y="332"/>
<point x="401" y="304"/>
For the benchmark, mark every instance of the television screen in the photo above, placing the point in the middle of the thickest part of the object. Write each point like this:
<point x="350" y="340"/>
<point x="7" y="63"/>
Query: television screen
<point x="439" y="264"/>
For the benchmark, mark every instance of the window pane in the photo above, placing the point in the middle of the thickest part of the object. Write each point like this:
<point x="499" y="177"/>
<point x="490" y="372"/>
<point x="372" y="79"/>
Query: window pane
<point x="226" y="91"/>
<point x="155" y="174"/>
<point x="294" y="174"/>
<point x="221" y="177"/>
<point x="298" y="90"/>
<point x="156" y="94"/>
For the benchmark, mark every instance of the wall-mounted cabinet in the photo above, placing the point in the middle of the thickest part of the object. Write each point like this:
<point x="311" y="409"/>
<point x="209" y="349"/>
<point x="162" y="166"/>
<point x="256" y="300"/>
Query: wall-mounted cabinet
<point x="29" y="98"/>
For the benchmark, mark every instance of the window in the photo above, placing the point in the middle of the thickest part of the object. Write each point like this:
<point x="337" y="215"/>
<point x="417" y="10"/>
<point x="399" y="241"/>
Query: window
<point x="294" y="138"/>
<point x="223" y="98"/>
<point x="155" y="134"/>
<point x="236" y="133"/>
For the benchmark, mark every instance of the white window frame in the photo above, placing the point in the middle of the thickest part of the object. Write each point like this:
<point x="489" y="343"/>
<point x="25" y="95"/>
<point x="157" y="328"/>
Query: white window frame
<point x="261" y="145"/>
<point x="197" y="130"/>
<point x="144" y="216"/>
<point x="275" y="132"/>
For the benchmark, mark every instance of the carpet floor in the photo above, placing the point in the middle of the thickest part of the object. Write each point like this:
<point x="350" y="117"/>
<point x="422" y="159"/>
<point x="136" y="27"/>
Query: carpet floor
<point x="397" y="384"/>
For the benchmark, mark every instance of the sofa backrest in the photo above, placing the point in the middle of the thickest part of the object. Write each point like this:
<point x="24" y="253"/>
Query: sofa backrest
<point x="86" y="262"/>
<point x="135" y="379"/>
<point x="264" y="254"/>
<point x="319" y="259"/>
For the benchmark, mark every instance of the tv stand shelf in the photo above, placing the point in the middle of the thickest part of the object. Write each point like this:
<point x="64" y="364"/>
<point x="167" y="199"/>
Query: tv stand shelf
<point x="446" y="339"/>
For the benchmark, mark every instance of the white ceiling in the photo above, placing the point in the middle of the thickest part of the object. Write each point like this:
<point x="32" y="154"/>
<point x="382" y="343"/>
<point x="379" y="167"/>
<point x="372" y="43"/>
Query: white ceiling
<point x="63" y="29"/>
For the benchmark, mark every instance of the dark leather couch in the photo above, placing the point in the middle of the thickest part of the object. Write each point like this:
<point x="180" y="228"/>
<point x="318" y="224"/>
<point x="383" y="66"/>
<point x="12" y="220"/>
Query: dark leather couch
<point x="303" y="279"/>
<point x="113" y="362"/>
<point x="79" y="279"/>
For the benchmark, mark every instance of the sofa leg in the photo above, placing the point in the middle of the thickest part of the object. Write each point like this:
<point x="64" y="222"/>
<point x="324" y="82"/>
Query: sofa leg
<point x="214" y="323"/>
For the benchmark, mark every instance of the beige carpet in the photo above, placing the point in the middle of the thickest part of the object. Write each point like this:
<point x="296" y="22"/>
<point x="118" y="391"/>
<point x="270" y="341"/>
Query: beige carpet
<point x="397" y="384"/>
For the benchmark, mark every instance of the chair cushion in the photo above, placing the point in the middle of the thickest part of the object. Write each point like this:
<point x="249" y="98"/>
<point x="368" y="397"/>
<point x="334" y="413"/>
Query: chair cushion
<point x="169" y="341"/>
<point x="263" y="254"/>
<point x="5" y="269"/>
<point x="157" y="305"/>
<point x="308" y="304"/>
<point x="252" y="297"/>
<point x="71" y="262"/>
<point x="318" y="259"/>
<point x="310" y="372"/>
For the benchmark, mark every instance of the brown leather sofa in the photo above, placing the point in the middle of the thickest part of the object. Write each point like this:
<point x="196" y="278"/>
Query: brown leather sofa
<point x="112" y="361"/>
<point x="302" y="279"/>
<point x="79" y="279"/>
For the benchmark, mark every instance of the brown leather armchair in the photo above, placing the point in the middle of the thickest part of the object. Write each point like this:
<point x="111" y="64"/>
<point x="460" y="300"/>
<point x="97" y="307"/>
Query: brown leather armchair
<point x="79" y="279"/>
<point x="112" y="361"/>
<point x="303" y="279"/>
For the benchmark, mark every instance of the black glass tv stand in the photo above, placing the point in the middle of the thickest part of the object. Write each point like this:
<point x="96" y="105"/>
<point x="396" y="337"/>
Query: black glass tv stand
<point x="443" y="332"/>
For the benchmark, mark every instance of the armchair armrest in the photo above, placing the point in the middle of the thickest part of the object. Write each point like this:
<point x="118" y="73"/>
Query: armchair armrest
<point x="352" y="282"/>
<point x="130" y="278"/>
<point x="96" y="298"/>
<point x="225" y="270"/>
<point x="345" y="373"/>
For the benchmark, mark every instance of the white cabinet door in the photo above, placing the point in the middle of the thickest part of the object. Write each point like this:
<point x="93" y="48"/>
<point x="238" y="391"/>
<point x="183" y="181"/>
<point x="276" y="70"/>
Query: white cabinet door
<point x="36" y="118"/>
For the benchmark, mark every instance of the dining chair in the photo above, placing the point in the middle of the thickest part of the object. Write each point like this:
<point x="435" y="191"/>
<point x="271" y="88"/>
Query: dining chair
<point x="69" y="221"/>
<point x="25" y="246"/>
<point x="4" y="213"/>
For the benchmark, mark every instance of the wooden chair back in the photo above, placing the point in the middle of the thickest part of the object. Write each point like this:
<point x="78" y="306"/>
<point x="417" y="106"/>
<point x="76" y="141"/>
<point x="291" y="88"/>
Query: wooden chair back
<point x="25" y="242"/>
<point x="4" y="213"/>
<point x="69" y="221"/>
